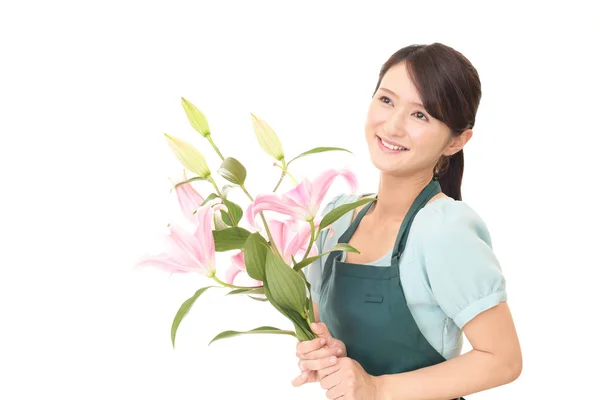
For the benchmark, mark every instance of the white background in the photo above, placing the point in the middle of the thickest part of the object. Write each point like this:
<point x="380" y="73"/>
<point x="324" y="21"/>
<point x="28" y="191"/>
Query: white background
<point x="87" y="90"/>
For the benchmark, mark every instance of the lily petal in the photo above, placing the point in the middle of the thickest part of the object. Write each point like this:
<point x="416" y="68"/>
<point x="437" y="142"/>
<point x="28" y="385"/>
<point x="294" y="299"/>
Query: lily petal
<point x="322" y="183"/>
<point x="238" y="261"/>
<point x="272" y="202"/>
<point x="189" y="200"/>
<point x="162" y="261"/>
<point x="250" y="216"/>
<point x="231" y="273"/>
<point x="182" y="247"/>
<point x="180" y="256"/>
<point x="300" y="240"/>
<point x="204" y="238"/>
<point x="280" y="231"/>
<point x="300" y="195"/>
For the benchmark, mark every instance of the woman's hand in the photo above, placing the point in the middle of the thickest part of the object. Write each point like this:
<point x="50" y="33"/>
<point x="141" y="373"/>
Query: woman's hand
<point x="317" y="354"/>
<point x="348" y="380"/>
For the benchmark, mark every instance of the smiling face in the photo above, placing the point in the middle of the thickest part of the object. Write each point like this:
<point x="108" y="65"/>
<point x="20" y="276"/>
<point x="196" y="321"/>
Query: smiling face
<point x="397" y="116"/>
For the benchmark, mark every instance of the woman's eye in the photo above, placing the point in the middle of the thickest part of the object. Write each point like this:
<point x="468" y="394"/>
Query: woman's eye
<point x="383" y="98"/>
<point x="386" y="99"/>
<point x="419" y="113"/>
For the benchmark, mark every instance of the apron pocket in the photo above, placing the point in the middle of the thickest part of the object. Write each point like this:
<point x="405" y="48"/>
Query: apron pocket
<point x="373" y="299"/>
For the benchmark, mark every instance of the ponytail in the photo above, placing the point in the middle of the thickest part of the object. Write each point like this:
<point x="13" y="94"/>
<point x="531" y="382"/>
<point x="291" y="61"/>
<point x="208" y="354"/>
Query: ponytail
<point x="451" y="177"/>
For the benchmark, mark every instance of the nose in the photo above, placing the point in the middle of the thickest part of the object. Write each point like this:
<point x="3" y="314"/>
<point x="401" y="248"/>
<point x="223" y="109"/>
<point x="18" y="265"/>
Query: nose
<point x="394" y="124"/>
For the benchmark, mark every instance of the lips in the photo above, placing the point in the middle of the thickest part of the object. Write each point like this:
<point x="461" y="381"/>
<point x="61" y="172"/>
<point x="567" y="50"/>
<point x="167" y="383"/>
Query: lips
<point x="392" y="143"/>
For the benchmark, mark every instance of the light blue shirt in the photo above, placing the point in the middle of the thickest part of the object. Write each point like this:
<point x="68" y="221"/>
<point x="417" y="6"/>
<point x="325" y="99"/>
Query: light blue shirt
<point x="448" y="269"/>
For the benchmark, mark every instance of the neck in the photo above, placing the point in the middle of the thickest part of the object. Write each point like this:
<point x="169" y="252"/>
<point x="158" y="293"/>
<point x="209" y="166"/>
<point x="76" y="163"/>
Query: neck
<point x="396" y="194"/>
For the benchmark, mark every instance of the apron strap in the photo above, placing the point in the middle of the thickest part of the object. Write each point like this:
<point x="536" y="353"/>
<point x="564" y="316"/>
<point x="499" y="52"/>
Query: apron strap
<point x="426" y="194"/>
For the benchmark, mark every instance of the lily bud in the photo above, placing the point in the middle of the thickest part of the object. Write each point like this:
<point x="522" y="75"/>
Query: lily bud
<point x="187" y="154"/>
<point x="197" y="119"/>
<point x="267" y="138"/>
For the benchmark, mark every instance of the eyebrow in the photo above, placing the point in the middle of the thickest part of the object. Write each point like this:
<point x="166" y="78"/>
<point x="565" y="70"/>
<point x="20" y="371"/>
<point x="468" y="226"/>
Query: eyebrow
<point x="394" y="94"/>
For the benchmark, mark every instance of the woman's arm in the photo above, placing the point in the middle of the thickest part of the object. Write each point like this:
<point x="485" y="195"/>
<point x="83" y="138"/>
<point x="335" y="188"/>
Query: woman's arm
<point x="495" y="360"/>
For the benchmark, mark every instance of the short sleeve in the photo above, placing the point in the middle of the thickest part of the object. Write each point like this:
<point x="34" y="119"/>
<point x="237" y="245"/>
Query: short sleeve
<point x="464" y="275"/>
<point x="314" y="271"/>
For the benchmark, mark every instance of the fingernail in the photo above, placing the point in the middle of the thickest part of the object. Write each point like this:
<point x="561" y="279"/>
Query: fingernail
<point x="322" y="342"/>
<point x="339" y="351"/>
<point x="332" y="360"/>
<point x="302" y="366"/>
<point x="313" y="325"/>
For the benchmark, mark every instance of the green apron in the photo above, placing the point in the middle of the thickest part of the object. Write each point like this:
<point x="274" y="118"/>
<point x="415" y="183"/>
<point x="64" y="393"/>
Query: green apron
<point x="364" y="306"/>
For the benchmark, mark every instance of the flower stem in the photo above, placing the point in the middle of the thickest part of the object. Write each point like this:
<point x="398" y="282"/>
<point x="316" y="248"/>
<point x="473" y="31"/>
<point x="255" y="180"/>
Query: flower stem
<point x="210" y="178"/>
<point x="214" y="146"/>
<point x="262" y="216"/>
<point x="280" y="180"/>
<point x="233" y="286"/>
<point x="312" y="239"/>
<point x="284" y="173"/>
<point x="294" y="181"/>
<point x="249" y="196"/>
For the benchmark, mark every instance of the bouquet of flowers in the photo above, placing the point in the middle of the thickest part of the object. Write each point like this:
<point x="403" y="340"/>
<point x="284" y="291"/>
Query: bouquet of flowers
<point x="274" y="262"/>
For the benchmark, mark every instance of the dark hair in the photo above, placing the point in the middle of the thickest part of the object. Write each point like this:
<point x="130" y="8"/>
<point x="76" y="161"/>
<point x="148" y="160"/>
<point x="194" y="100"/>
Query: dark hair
<point x="450" y="89"/>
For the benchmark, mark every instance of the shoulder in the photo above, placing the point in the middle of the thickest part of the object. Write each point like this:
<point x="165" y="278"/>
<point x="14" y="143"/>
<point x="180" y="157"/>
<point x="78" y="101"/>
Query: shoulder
<point x="455" y="252"/>
<point x="447" y="219"/>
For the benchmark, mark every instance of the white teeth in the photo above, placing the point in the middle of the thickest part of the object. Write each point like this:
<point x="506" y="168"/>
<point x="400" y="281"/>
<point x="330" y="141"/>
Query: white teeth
<point x="391" y="146"/>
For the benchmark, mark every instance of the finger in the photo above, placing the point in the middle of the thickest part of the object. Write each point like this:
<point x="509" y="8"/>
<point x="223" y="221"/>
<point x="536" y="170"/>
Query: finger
<point x="336" y="397"/>
<point x="309" y="345"/>
<point x="325" y="372"/>
<point x="318" y="364"/>
<point x="336" y="392"/>
<point x="332" y="381"/>
<point x="300" y="379"/>
<point x="320" y="329"/>
<point x="323" y="352"/>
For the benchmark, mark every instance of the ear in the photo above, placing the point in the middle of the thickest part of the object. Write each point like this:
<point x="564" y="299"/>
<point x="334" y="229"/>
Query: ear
<point x="458" y="142"/>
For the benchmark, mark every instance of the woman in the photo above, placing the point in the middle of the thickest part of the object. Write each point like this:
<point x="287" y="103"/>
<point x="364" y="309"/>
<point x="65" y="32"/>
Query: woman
<point x="391" y="323"/>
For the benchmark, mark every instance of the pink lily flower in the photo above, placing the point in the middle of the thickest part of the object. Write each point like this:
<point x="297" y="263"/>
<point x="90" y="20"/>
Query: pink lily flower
<point x="291" y="239"/>
<point x="189" y="200"/>
<point x="188" y="252"/>
<point x="302" y="202"/>
<point x="238" y="265"/>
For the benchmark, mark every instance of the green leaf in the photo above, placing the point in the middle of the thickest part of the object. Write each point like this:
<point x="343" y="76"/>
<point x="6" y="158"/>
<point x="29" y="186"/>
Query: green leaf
<point x="255" y="256"/>
<point x="286" y="286"/>
<point x="209" y="198"/>
<point x="309" y="260"/>
<point x="195" y="178"/>
<point x="230" y="239"/>
<point x="303" y="331"/>
<point x="258" y="298"/>
<point x="256" y="290"/>
<point x="234" y="210"/>
<point x="309" y="300"/>
<point x="262" y="329"/>
<point x="317" y="150"/>
<point x="196" y="118"/>
<point x="338" y="212"/>
<point x="311" y="308"/>
<point x="183" y="310"/>
<point x="232" y="170"/>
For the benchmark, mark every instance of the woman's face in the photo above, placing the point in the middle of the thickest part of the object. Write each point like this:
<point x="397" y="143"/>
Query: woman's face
<point x="396" y="115"/>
